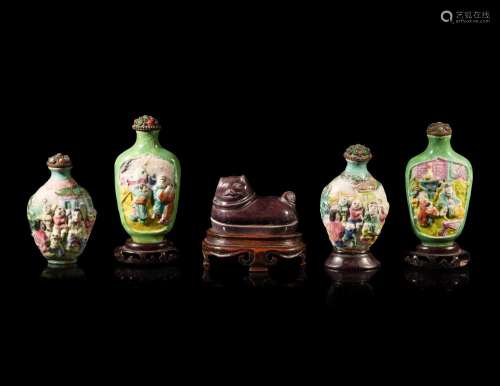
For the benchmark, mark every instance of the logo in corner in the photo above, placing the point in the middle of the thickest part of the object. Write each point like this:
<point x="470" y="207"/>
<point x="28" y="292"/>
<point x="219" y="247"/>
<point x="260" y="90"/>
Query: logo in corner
<point x="447" y="16"/>
<point x="466" y="16"/>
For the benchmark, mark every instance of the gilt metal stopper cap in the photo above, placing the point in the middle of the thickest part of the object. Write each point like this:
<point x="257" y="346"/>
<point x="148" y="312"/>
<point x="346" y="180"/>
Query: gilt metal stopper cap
<point x="358" y="153"/>
<point x="146" y="123"/>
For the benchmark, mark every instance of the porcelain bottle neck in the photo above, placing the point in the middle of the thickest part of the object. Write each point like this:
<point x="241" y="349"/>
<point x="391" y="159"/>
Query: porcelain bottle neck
<point x="357" y="169"/>
<point x="60" y="173"/>
<point x="147" y="139"/>
<point x="439" y="145"/>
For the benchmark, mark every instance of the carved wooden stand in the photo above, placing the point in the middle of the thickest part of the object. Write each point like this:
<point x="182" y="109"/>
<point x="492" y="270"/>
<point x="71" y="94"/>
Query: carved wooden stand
<point x="256" y="251"/>
<point x="147" y="254"/>
<point x="433" y="257"/>
<point x="344" y="261"/>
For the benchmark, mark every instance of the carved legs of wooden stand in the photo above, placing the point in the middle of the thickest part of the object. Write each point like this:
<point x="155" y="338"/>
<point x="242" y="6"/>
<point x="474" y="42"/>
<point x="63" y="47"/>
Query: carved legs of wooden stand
<point x="438" y="257"/>
<point x="258" y="252"/>
<point x="147" y="254"/>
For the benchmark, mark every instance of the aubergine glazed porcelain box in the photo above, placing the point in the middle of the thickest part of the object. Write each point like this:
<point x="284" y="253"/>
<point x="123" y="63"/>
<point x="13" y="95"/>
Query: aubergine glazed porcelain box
<point x="147" y="183"/>
<point x="250" y="230"/>
<point x="438" y="189"/>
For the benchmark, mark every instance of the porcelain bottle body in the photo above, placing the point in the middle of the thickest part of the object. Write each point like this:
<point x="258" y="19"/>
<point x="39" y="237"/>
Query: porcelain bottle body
<point x="147" y="183"/>
<point x="438" y="189"/>
<point x="61" y="214"/>
<point x="354" y="207"/>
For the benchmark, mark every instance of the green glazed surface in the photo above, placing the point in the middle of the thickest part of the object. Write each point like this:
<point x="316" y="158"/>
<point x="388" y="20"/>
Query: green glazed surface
<point x="439" y="149"/>
<point x="147" y="145"/>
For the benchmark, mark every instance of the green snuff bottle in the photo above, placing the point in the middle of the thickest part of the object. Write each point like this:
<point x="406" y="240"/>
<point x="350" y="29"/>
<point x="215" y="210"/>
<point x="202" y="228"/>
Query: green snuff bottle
<point x="147" y="183"/>
<point x="438" y="190"/>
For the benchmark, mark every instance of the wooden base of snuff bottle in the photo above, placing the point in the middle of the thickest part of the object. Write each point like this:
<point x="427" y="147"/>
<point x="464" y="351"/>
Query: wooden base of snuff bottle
<point x="163" y="252"/>
<point x="258" y="252"/>
<point x="438" y="257"/>
<point x="343" y="261"/>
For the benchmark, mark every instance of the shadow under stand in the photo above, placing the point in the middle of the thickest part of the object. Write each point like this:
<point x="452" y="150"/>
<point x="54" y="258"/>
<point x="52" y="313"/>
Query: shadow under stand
<point x="149" y="274"/>
<point x="147" y="182"/>
<point x="441" y="280"/>
<point x="350" y="287"/>
<point x="222" y="275"/>
<point x="252" y="231"/>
